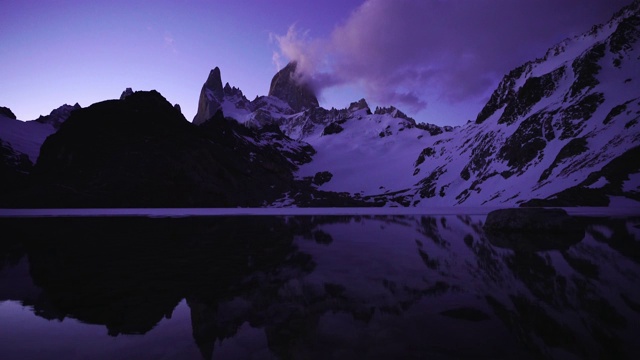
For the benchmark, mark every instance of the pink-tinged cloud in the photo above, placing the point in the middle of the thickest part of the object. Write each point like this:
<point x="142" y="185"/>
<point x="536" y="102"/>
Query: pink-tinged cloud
<point x="417" y="51"/>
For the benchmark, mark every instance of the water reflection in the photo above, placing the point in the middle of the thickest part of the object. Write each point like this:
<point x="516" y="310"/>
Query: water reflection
<point x="324" y="287"/>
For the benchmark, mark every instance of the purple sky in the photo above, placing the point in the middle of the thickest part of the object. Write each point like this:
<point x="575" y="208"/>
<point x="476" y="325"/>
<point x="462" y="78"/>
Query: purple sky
<point x="437" y="60"/>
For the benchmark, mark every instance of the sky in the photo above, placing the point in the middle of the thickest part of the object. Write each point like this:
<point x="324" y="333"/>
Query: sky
<point x="436" y="60"/>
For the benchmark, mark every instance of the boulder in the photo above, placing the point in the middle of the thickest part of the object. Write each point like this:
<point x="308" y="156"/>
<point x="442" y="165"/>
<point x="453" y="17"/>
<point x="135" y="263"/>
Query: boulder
<point x="527" y="220"/>
<point x="332" y="128"/>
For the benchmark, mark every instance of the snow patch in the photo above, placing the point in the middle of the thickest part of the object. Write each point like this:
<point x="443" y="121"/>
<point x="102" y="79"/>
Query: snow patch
<point x="600" y="183"/>
<point x="24" y="137"/>
<point x="633" y="184"/>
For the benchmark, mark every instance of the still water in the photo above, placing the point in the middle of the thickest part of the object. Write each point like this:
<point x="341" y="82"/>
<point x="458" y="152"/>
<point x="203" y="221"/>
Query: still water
<point x="316" y="287"/>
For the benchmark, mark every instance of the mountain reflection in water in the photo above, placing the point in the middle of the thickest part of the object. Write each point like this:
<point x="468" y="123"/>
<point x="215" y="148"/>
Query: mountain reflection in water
<point x="317" y="287"/>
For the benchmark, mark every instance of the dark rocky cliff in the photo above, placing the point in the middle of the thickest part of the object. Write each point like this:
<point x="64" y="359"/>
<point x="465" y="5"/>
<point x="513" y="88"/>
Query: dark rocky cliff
<point x="141" y="152"/>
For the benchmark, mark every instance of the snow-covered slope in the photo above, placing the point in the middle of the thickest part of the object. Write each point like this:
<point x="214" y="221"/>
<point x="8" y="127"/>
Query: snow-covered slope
<point x="20" y="143"/>
<point x="372" y="154"/>
<point x="26" y="137"/>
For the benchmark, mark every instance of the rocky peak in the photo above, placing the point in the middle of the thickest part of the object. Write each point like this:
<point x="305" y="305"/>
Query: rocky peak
<point x="394" y="112"/>
<point x="214" y="85"/>
<point x="7" y="112"/>
<point x="211" y="97"/>
<point x="288" y="86"/>
<point x="59" y="115"/>
<point x="502" y="95"/>
<point x="126" y="93"/>
<point x="232" y="91"/>
<point x="359" y="105"/>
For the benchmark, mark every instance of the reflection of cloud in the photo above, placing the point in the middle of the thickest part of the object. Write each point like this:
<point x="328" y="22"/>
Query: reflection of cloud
<point x="402" y="49"/>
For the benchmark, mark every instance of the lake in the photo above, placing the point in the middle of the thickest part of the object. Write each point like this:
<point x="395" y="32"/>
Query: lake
<point x="198" y="285"/>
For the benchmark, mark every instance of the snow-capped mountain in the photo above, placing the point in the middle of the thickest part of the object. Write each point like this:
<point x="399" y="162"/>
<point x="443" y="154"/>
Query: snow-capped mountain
<point x="20" y="143"/>
<point x="26" y="137"/>
<point x="561" y="130"/>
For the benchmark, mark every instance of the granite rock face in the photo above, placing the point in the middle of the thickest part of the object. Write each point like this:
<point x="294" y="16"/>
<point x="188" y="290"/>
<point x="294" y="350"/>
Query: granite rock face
<point x="211" y="97"/>
<point x="59" y="115"/>
<point x="360" y="105"/>
<point x="288" y="86"/>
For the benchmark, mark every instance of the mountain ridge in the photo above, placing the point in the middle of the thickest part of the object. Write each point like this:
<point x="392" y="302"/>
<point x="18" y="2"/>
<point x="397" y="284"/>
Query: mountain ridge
<point x="561" y="130"/>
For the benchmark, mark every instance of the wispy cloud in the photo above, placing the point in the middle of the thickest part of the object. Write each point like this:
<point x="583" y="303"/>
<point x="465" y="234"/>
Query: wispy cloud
<point x="311" y="55"/>
<point x="170" y="42"/>
<point x="403" y="50"/>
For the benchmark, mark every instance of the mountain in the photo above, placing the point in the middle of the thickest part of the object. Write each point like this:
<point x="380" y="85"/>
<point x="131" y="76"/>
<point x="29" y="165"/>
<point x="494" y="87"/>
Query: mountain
<point x="59" y="115"/>
<point x="558" y="130"/>
<point x="561" y="130"/>
<point x="140" y="151"/>
<point x="20" y="143"/>
<point x="26" y="137"/>
<point x="290" y="87"/>
<point x="6" y="112"/>
<point x="211" y="97"/>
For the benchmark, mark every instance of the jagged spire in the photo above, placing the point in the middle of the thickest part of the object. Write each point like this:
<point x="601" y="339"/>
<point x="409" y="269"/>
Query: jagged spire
<point x="286" y="85"/>
<point x="128" y="91"/>
<point x="214" y="83"/>
<point x="211" y="97"/>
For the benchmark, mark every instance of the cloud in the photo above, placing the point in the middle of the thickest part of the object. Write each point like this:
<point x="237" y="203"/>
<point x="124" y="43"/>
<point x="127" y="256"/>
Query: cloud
<point x="310" y="55"/>
<point x="169" y="42"/>
<point x="415" y="51"/>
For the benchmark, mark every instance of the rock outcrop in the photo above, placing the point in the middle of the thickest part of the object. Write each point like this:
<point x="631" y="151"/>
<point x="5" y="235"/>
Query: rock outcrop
<point x="7" y="112"/>
<point x="211" y="97"/>
<point x="528" y="220"/>
<point x="289" y="86"/>
<point x="14" y="171"/>
<point x="360" y="105"/>
<point x="128" y="91"/>
<point x="394" y="112"/>
<point x="59" y="115"/>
